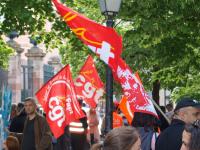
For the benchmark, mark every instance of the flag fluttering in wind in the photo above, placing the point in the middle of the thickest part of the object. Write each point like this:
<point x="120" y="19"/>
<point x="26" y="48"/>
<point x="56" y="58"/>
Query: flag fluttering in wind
<point x="107" y="44"/>
<point x="103" y="41"/>
<point x="133" y="89"/>
<point x="126" y="110"/>
<point x="6" y="108"/>
<point x="59" y="101"/>
<point x="88" y="84"/>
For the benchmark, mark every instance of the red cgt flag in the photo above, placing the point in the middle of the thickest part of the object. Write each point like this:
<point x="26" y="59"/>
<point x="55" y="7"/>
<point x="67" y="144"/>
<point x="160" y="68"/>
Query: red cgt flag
<point x="88" y="84"/>
<point x="133" y="89"/>
<point x="59" y="102"/>
<point x="103" y="41"/>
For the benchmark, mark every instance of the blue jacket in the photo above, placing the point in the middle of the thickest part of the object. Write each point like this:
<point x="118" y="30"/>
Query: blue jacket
<point x="146" y="135"/>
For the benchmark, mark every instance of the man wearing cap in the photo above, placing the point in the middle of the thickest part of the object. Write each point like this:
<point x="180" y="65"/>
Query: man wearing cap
<point x="187" y="111"/>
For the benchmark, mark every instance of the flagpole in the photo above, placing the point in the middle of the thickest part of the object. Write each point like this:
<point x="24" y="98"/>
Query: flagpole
<point x="109" y="91"/>
<point x="110" y="10"/>
<point x="159" y="109"/>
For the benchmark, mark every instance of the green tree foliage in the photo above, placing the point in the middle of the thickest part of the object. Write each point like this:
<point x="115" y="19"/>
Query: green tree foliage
<point x="160" y="37"/>
<point x="191" y="89"/>
<point x="164" y="42"/>
<point x="25" y="16"/>
<point x="5" y="52"/>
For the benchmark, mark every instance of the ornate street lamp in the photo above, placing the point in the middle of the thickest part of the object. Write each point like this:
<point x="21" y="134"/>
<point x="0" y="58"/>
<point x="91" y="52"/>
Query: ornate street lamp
<point x="109" y="8"/>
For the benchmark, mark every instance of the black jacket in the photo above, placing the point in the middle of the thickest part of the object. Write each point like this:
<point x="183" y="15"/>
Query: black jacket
<point x="42" y="133"/>
<point x="171" y="137"/>
<point x="17" y="124"/>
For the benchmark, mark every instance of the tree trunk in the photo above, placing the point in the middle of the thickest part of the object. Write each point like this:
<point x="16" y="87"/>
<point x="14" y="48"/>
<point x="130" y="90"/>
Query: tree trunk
<point x="155" y="92"/>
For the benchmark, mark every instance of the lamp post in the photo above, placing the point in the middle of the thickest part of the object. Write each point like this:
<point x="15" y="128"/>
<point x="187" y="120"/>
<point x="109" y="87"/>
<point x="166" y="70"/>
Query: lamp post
<point x="109" y="8"/>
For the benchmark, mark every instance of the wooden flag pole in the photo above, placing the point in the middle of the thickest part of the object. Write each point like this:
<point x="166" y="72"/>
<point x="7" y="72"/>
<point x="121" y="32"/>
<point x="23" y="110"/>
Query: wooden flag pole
<point x="159" y="109"/>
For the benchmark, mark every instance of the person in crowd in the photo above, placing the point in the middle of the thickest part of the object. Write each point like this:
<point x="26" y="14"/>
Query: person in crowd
<point x="63" y="142"/>
<point x="20" y="107"/>
<point x="169" y="107"/>
<point x="78" y="132"/>
<point x="170" y="111"/>
<point x="125" y="121"/>
<point x="122" y="138"/>
<point x="36" y="134"/>
<point x="117" y="119"/>
<point x="11" y="143"/>
<point x="146" y="125"/>
<point x="93" y="122"/>
<point x="191" y="136"/>
<point x="186" y="111"/>
<point x="13" y="112"/>
<point x="17" y="123"/>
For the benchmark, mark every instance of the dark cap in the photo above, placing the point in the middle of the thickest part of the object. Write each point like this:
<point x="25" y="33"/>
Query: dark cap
<point x="187" y="102"/>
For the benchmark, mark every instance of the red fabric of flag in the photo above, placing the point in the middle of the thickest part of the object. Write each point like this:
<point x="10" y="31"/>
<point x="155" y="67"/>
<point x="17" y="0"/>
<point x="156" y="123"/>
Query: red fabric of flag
<point x="133" y="89"/>
<point x="59" y="102"/>
<point x="88" y="84"/>
<point x="103" y="41"/>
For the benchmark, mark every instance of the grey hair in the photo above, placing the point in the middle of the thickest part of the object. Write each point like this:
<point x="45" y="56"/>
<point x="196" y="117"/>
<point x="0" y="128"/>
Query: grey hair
<point x="31" y="99"/>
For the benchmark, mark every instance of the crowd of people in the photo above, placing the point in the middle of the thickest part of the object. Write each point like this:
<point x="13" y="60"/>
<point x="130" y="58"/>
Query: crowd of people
<point x="29" y="130"/>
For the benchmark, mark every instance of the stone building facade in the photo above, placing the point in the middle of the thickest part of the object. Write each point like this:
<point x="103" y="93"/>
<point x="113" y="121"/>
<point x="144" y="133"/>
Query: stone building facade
<point x="29" y="68"/>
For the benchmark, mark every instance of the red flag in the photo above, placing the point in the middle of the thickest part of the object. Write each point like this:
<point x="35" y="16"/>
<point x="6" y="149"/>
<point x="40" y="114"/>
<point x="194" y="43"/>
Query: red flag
<point x="125" y="108"/>
<point x="103" y="41"/>
<point x="138" y="77"/>
<point x="88" y="84"/>
<point x="59" y="102"/>
<point x="133" y="89"/>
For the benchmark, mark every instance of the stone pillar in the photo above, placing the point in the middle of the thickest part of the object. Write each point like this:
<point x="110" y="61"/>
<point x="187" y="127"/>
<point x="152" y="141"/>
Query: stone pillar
<point x="14" y="71"/>
<point x="55" y="63"/>
<point x="35" y="57"/>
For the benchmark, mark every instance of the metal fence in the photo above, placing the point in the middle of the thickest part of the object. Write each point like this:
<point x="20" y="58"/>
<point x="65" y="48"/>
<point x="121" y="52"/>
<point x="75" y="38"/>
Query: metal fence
<point x="48" y="72"/>
<point x="27" y="74"/>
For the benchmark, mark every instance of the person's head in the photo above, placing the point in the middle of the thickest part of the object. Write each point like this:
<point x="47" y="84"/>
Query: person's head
<point x="123" y="138"/>
<point x="187" y="110"/>
<point x="163" y="108"/>
<point x="13" y="111"/>
<point x="115" y="105"/>
<point x="169" y="107"/>
<point x="11" y="143"/>
<point x="30" y="105"/>
<point x="92" y="111"/>
<point x="20" y="107"/>
<point x="191" y="136"/>
<point x="144" y="120"/>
